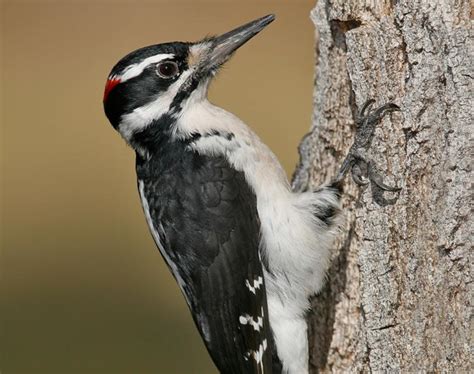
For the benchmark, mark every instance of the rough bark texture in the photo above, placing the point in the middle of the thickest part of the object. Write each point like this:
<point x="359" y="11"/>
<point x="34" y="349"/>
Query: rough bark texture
<point x="399" y="293"/>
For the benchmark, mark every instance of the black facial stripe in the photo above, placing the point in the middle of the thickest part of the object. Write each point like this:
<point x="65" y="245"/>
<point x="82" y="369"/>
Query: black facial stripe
<point x="184" y="92"/>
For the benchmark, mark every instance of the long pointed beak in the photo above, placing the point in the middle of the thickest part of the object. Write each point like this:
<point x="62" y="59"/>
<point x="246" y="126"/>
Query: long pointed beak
<point x="224" y="45"/>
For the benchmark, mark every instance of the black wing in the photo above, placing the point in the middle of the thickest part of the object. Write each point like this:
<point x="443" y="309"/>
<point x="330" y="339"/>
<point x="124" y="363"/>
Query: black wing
<point x="206" y="217"/>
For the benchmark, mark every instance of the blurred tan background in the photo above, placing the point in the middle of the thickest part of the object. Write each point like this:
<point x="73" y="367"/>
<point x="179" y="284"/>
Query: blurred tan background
<point x="83" y="288"/>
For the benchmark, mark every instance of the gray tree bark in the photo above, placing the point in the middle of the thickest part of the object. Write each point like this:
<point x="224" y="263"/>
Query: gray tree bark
<point x="399" y="291"/>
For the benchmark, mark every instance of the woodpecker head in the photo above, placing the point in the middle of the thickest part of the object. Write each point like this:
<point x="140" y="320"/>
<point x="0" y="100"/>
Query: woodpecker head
<point x="152" y="86"/>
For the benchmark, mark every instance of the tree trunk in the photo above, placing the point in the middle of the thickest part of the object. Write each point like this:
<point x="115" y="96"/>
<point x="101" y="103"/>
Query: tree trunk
<point x="398" y="295"/>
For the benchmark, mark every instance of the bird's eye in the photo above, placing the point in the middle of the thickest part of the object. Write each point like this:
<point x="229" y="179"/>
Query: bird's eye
<point x="167" y="69"/>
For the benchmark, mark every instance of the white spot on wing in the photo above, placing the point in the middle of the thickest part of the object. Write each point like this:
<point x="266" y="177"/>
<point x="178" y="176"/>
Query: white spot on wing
<point x="258" y="354"/>
<point x="255" y="284"/>
<point x="249" y="320"/>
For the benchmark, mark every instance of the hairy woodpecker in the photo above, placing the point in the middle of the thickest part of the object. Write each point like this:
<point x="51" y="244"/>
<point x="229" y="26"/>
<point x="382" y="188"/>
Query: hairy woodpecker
<point x="246" y="250"/>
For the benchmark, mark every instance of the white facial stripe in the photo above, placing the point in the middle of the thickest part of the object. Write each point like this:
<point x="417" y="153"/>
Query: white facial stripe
<point x="141" y="117"/>
<point x="135" y="70"/>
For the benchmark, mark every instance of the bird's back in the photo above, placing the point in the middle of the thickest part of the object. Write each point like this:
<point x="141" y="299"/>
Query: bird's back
<point x="204" y="219"/>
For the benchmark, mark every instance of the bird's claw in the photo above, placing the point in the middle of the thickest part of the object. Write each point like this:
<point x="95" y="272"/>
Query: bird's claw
<point x="359" y="172"/>
<point x="376" y="178"/>
<point x="363" y="171"/>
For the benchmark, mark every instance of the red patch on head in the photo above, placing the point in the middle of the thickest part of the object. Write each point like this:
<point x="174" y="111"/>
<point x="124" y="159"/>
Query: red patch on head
<point x="109" y="86"/>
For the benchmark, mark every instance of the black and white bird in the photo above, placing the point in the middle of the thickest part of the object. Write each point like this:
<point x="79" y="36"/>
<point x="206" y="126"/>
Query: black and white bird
<point x="246" y="250"/>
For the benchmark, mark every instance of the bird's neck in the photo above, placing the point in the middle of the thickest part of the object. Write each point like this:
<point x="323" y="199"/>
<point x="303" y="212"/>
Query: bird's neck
<point x="153" y="137"/>
<point x="197" y="117"/>
<point x="225" y="134"/>
<point x="210" y="130"/>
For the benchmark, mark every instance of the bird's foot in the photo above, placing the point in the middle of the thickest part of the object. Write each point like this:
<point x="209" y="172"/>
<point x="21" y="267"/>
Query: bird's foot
<point x="362" y="170"/>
